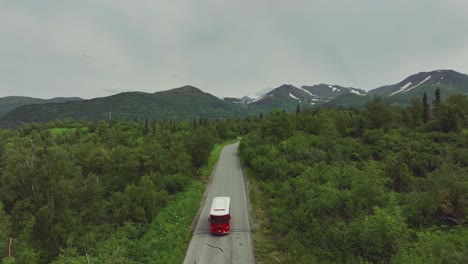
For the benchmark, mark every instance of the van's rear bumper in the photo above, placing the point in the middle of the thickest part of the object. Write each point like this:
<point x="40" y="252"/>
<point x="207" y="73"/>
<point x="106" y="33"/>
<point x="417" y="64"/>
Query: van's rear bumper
<point x="219" y="231"/>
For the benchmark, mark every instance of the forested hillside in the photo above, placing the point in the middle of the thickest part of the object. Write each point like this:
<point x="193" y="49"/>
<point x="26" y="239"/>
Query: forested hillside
<point x="100" y="192"/>
<point x="179" y="104"/>
<point x="11" y="102"/>
<point x="384" y="184"/>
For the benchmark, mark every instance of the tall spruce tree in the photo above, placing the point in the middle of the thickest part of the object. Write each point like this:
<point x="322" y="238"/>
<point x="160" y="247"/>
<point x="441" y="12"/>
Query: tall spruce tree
<point x="146" y="129"/>
<point x="426" y="109"/>
<point x="436" y="102"/>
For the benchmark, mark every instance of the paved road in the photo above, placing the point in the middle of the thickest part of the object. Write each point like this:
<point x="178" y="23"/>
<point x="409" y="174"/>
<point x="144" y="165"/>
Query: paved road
<point x="235" y="247"/>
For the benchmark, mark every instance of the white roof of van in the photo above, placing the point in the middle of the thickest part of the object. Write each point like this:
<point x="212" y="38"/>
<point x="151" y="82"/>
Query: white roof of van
<point x="220" y="206"/>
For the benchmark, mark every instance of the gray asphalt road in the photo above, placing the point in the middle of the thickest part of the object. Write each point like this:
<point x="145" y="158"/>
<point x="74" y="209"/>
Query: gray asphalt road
<point x="235" y="247"/>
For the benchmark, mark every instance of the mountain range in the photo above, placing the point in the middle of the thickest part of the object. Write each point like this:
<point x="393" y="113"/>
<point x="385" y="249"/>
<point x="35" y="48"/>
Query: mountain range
<point x="188" y="102"/>
<point x="11" y="102"/>
<point x="326" y="95"/>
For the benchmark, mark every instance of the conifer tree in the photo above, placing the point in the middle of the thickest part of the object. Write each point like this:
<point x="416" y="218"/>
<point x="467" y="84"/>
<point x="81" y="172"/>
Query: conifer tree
<point x="146" y="129"/>
<point x="194" y="122"/>
<point x="426" y="109"/>
<point x="436" y="100"/>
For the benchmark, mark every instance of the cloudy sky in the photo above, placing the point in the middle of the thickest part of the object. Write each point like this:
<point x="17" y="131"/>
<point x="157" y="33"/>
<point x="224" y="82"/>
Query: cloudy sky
<point x="95" y="48"/>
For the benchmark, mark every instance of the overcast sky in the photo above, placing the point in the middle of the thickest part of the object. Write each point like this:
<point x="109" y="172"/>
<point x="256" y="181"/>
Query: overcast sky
<point x="95" y="48"/>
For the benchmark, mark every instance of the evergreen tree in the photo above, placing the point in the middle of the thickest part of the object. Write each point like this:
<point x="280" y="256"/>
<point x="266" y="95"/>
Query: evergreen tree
<point x="146" y="128"/>
<point x="416" y="111"/>
<point x="194" y="122"/>
<point x="379" y="113"/>
<point x="436" y="100"/>
<point x="298" y="109"/>
<point x="173" y="127"/>
<point x="426" y="109"/>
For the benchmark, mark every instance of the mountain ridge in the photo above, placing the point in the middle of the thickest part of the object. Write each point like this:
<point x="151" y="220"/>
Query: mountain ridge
<point x="187" y="101"/>
<point x="179" y="103"/>
<point x="401" y="93"/>
<point x="9" y="103"/>
<point x="436" y="77"/>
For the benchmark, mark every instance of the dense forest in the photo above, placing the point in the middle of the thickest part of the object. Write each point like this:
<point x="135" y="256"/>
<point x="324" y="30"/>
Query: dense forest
<point x="384" y="184"/>
<point x="100" y="192"/>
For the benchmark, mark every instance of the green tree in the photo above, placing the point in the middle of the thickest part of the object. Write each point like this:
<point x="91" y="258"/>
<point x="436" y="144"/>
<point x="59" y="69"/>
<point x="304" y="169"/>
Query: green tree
<point x="448" y="119"/>
<point x="435" y="246"/>
<point x="399" y="174"/>
<point x="379" y="113"/>
<point x="146" y="127"/>
<point x="437" y="100"/>
<point x="416" y="109"/>
<point x="378" y="237"/>
<point x="199" y="145"/>
<point x="426" y="109"/>
<point x="5" y="230"/>
<point x="278" y="126"/>
<point x="449" y="186"/>
<point x="452" y="114"/>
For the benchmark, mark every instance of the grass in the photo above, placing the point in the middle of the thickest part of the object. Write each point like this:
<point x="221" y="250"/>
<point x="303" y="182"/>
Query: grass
<point x="170" y="232"/>
<point x="265" y="250"/>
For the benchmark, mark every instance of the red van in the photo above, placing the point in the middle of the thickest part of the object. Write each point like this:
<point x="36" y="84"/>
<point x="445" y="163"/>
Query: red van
<point x="220" y="217"/>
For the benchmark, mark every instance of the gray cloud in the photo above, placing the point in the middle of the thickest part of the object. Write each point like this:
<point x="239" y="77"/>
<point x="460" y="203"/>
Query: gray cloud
<point x="227" y="48"/>
<point x="112" y="90"/>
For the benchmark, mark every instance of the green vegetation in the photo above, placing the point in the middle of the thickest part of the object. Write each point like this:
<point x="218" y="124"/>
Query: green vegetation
<point x="108" y="192"/>
<point x="177" y="104"/>
<point x="383" y="184"/>
<point x="262" y="233"/>
<point x="376" y="185"/>
<point x="347" y="101"/>
<point x="168" y="236"/>
<point x="11" y="102"/>
<point x="62" y="130"/>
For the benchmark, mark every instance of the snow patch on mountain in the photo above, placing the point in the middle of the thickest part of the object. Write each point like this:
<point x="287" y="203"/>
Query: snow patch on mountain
<point x="334" y="89"/>
<point x="259" y="98"/>
<point x="294" y="97"/>
<point x="402" y="88"/>
<point x="407" y="87"/>
<point x="304" y="90"/>
<point x="356" y="92"/>
<point x="411" y="88"/>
